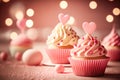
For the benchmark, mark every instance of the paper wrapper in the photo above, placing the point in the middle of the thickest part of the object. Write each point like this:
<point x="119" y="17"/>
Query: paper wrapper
<point x="114" y="54"/>
<point x="91" y="67"/>
<point x="58" y="56"/>
<point x="15" y="49"/>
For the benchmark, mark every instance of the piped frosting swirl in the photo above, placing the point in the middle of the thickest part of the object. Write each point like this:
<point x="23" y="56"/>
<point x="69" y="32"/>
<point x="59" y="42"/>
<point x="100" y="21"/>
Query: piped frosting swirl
<point x="62" y="35"/>
<point x="88" y="46"/>
<point x="21" y="40"/>
<point x="112" y="39"/>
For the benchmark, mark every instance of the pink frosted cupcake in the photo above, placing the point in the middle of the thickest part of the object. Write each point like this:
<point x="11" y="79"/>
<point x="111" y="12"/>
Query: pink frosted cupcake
<point x="112" y="44"/>
<point x="60" y="41"/>
<point x="20" y="44"/>
<point x="88" y="56"/>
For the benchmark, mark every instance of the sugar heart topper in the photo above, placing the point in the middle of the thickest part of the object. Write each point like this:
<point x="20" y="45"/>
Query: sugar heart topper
<point x="89" y="27"/>
<point x="21" y="24"/>
<point x="63" y="18"/>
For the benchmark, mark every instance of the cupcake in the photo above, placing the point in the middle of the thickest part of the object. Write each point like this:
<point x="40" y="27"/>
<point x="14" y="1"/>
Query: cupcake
<point x="88" y="57"/>
<point x="61" y="41"/>
<point x="20" y="44"/>
<point x="112" y="44"/>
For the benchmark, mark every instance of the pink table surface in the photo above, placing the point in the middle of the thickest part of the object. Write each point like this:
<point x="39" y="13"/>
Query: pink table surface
<point x="16" y="70"/>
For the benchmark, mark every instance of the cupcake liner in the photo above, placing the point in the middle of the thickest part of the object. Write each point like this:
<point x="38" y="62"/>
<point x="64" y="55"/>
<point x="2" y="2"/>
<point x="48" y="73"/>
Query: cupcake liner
<point x="114" y="54"/>
<point x="15" y="49"/>
<point x="95" y="67"/>
<point x="58" y="56"/>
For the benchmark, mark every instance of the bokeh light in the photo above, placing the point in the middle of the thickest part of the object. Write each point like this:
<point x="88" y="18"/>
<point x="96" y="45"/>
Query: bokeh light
<point x="30" y="12"/>
<point x="93" y="5"/>
<point x="5" y="1"/>
<point x="63" y="4"/>
<point x="19" y="15"/>
<point x="17" y="10"/>
<point x="111" y="0"/>
<point x="109" y="18"/>
<point x="13" y="35"/>
<point x="116" y="11"/>
<point x="71" y="20"/>
<point x="8" y="21"/>
<point x="32" y="34"/>
<point x="29" y="23"/>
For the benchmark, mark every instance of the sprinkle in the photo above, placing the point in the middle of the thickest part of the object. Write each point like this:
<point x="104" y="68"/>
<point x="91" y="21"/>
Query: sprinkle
<point x="68" y="34"/>
<point x="104" y="51"/>
<point x="58" y="44"/>
<point x="83" y="38"/>
<point x="92" y="38"/>
<point x="90" y="52"/>
<point x="95" y="41"/>
<point x="75" y="45"/>
<point x="100" y="48"/>
<point x="75" y="36"/>
<point x="61" y="41"/>
<point x="74" y="53"/>
<point x="90" y="45"/>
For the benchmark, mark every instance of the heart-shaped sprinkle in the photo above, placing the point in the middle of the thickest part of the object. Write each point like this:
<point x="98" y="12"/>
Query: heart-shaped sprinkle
<point x="63" y="18"/>
<point x="89" y="27"/>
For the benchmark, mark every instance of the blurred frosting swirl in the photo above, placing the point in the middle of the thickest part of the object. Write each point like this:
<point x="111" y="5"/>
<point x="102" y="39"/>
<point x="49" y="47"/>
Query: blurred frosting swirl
<point x="88" y="46"/>
<point x="21" y="40"/>
<point x="62" y="35"/>
<point x="112" y="39"/>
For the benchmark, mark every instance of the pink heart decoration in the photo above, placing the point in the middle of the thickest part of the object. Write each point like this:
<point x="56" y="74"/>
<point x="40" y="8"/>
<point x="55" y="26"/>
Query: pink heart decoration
<point x="21" y="24"/>
<point x="63" y="18"/>
<point x="89" y="27"/>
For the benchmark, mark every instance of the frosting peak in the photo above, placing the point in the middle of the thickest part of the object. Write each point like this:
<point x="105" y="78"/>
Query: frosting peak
<point x="88" y="46"/>
<point x="62" y="35"/>
<point x="112" y="39"/>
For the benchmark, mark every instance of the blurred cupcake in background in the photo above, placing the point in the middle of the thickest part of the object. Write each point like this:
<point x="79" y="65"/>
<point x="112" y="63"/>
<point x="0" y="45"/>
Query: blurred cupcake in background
<point x="21" y="42"/>
<point x="88" y="57"/>
<point x="112" y="44"/>
<point x="61" y="41"/>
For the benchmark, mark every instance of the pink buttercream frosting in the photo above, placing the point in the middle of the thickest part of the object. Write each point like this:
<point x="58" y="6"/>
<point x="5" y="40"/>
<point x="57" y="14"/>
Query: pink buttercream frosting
<point x="112" y="39"/>
<point x="21" y="40"/>
<point x="88" y="46"/>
